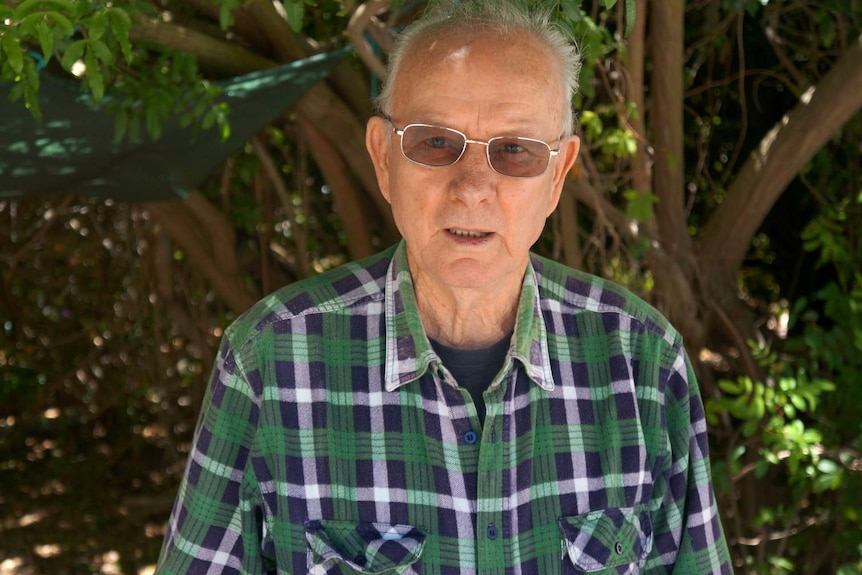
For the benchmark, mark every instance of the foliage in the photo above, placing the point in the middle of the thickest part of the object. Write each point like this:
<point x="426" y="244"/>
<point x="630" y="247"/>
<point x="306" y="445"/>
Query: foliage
<point x="802" y="419"/>
<point x="91" y="41"/>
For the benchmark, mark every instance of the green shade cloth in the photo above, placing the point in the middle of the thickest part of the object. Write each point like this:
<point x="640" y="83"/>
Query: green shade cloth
<point x="73" y="149"/>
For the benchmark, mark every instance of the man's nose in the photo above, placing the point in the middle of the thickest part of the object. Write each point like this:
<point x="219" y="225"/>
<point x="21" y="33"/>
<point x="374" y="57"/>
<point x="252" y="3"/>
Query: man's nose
<point x="473" y="178"/>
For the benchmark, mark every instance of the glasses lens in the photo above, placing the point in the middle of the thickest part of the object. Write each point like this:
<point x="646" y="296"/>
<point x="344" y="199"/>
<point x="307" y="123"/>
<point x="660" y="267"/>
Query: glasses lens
<point x="432" y="145"/>
<point x="519" y="157"/>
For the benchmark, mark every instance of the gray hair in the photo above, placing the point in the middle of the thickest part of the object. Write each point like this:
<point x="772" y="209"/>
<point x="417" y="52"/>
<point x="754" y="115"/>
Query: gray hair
<point x="504" y="17"/>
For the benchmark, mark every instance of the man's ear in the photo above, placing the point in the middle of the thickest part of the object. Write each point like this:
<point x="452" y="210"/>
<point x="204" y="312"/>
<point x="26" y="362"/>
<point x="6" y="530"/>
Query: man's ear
<point x="377" y="140"/>
<point x="569" y="148"/>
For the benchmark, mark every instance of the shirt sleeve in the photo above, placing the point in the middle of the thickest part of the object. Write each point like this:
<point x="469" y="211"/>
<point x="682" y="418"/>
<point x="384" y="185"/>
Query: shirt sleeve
<point x="215" y="526"/>
<point x="689" y="535"/>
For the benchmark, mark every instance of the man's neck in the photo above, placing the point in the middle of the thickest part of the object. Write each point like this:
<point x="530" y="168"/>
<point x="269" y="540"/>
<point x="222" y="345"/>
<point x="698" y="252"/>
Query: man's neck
<point x="467" y="318"/>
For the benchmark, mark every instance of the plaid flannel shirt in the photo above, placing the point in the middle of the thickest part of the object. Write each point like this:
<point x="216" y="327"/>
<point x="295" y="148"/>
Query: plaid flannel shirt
<point x="333" y="441"/>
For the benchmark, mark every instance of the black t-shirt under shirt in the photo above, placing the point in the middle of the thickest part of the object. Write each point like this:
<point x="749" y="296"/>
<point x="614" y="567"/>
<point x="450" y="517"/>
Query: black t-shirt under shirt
<point x="474" y="369"/>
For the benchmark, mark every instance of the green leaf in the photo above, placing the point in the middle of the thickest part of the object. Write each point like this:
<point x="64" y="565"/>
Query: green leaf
<point x="825" y="385"/>
<point x="186" y="120"/>
<point x="14" y="54"/>
<point x="83" y="8"/>
<point x="67" y="6"/>
<point x="631" y="16"/>
<point x="782" y="563"/>
<point x="154" y="125"/>
<point x="826" y="482"/>
<point x="729" y="386"/>
<point x="31" y="89"/>
<point x="61" y="22"/>
<point x="826" y="26"/>
<point x="26" y="7"/>
<point x="592" y="125"/>
<point x="225" y="16"/>
<point x="73" y="54"/>
<point x="640" y="204"/>
<point x="759" y="408"/>
<point x="102" y="51"/>
<point x="121" y="125"/>
<point x="295" y="10"/>
<point x="46" y="40"/>
<point x="16" y="91"/>
<point x="209" y="119"/>
<point x="97" y="25"/>
<point x="134" y="128"/>
<point x="121" y="24"/>
<point x="94" y="77"/>
<point x="828" y="466"/>
<point x="798" y="402"/>
<point x="608" y="4"/>
<point x="27" y="26"/>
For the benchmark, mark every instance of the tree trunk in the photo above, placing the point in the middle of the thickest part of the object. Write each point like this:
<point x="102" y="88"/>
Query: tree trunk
<point x="672" y="262"/>
<point x="641" y="169"/>
<point x="667" y="126"/>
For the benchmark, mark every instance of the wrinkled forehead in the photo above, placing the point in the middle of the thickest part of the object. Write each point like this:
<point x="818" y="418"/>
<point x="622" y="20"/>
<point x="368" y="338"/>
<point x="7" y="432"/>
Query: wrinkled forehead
<point x="455" y="56"/>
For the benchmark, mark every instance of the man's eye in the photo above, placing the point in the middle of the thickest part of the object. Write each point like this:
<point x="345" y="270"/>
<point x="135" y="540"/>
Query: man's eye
<point x="438" y="142"/>
<point x="512" y="148"/>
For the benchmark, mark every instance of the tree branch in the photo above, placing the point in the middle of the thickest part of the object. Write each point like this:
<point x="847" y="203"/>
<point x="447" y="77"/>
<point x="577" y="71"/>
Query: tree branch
<point x="356" y="30"/>
<point x="347" y="204"/>
<point x="206" y="237"/>
<point x="324" y="109"/>
<point x="214" y="55"/>
<point x="782" y="153"/>
<point x="276" y="29"/>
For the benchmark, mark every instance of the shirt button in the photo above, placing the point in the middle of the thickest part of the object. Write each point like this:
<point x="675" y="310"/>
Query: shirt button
<point x="618" y="548"/>
<point x="491" y="531"/>
<point x="470" y="437"/>
<point x="360" y="560"/>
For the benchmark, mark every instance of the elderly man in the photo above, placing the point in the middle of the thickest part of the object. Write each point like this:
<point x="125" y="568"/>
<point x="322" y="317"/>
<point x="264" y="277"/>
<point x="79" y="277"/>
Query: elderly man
<point x="455" y="405"/>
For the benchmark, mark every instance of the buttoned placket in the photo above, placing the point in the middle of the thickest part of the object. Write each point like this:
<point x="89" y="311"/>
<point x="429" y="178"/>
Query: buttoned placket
<point x="490" y="517"/>
<point x="486" y="444"/>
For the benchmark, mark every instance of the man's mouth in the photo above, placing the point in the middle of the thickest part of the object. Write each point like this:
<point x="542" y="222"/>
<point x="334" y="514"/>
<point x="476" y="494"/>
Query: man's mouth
<point x="468" y="233"/>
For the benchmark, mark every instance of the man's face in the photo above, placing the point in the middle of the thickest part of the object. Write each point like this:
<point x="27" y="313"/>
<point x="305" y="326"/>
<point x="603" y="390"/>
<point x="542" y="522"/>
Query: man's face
<point x="467" y="226"/>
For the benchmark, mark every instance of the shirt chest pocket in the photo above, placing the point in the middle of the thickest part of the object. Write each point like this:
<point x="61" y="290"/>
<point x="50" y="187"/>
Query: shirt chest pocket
<point x="609" y="541"/>
<point x="348" y="547"/>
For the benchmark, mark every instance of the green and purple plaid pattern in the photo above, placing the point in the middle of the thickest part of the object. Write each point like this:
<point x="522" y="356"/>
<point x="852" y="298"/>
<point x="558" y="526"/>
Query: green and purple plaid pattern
<point x="333" y="441"/>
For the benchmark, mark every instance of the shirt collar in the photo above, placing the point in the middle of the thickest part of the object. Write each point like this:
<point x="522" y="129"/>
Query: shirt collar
<point x="408" y="352"/>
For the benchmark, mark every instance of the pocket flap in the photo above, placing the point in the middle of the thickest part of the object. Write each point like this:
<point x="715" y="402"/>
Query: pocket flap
<point x="364" y="546"/>
<point x="607" y="538"/>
